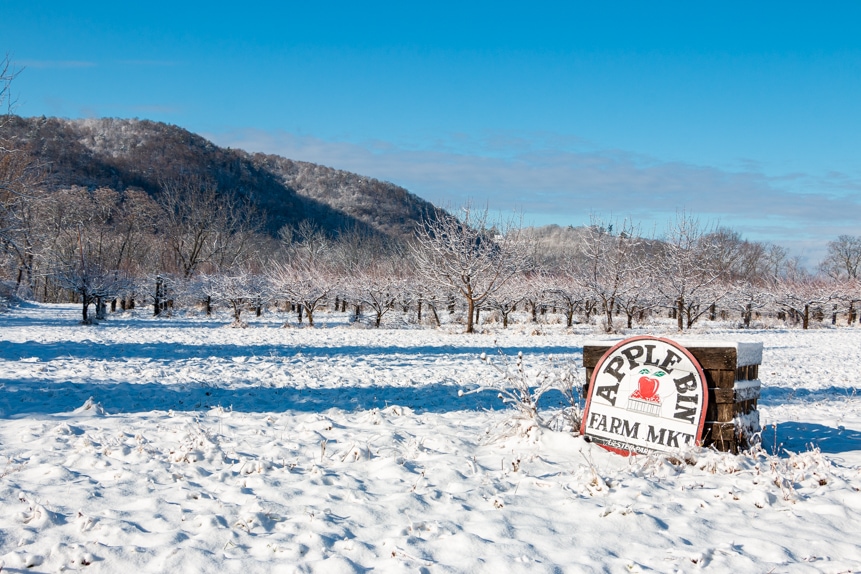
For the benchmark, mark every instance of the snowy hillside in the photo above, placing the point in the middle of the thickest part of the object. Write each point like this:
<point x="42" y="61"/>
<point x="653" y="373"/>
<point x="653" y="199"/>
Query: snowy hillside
<point x="178" y="445"/>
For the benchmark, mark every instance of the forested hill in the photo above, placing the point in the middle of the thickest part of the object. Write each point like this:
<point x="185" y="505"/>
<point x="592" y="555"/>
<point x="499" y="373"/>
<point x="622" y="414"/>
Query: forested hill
<point x="121" y="154"/>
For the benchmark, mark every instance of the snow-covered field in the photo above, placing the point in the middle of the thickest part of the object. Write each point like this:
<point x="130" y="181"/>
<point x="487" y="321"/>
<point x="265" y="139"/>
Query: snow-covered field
<point x="178" y="445"/>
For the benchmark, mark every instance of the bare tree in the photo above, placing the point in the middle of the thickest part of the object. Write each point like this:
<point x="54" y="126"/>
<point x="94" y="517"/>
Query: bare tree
<point x="844" y="257"/>
<point x="470" y="255"/>
<point x="536" y="292"/>
<point x="7" y="74"/>
<point x="308" y="287"/>
<point x="203" y="226"/>
<point x="748" y="296"/>
<point x="135" y="226"/>
<point x="506" y="299"/>
<point x="639" y="298"/>
<point x="800" y="293"/>
<point x="87" y="276"/>
<point x="686" y="269"/>
<point x="239" y="288"/>
<point x="849" y="295"/>
<point x="379" y="286"/>
<point x="307" y="244"/>
<point x="608" y="264"/>
<point x="22" y="235"/>
<point x="20" y="193"/>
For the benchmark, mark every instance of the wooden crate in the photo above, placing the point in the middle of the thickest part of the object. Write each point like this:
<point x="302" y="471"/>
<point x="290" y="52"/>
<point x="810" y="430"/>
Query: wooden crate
<point x="732" y="376"/>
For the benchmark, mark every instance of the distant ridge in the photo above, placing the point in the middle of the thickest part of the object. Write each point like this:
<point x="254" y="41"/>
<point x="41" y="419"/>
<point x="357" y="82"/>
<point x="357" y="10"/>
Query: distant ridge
<point x="131" y="153"/>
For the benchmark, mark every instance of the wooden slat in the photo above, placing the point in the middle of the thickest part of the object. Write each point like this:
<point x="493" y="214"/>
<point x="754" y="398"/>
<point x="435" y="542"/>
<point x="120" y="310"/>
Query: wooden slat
<point x="591" y="355"/>
<point x="726" y="380"/>
<point x="715" y="357"/>
<point x="721" y="431"/>
<point x="722" y="395"/>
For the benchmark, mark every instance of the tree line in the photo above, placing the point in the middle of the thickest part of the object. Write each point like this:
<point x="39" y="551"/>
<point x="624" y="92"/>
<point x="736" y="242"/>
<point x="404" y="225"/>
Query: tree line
<point x="191" y="245"/>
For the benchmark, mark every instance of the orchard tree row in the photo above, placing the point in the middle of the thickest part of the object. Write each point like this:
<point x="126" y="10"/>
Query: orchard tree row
<point x="192" y="246"/>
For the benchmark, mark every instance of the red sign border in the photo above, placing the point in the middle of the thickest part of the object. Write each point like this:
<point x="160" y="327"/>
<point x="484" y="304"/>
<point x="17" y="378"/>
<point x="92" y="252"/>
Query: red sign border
<point x="610" y="351"/>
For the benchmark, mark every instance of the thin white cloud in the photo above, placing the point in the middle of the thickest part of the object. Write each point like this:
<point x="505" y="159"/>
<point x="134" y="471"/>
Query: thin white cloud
<point x="149" y="63"/>
<point x="563" y="180"/>
<point x="57" y="64"/>
<point x="151" y="109"/>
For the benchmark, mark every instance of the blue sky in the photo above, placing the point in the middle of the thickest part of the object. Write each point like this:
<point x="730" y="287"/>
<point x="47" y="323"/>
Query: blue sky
<point x="745" y="114"/>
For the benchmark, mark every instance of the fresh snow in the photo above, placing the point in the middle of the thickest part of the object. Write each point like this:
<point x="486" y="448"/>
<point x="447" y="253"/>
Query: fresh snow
<point x="179" y="445"/>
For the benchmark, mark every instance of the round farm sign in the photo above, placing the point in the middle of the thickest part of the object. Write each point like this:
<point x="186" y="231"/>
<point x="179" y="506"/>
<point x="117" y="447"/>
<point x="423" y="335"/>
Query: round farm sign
<point x="646" y="394"/>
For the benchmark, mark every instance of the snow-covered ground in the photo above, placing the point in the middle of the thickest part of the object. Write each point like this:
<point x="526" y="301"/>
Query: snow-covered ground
<point x="178" y="445"/>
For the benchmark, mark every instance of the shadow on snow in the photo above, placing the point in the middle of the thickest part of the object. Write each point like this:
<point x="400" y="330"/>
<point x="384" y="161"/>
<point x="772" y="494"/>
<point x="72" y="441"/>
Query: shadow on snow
<point x="801" y="437"/>
<point x="34" y="396"/>
<point x="87" y="349"/>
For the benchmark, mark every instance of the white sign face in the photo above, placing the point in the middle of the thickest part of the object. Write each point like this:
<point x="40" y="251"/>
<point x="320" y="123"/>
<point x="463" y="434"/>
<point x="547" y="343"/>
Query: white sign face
<point x="646" y="394"/>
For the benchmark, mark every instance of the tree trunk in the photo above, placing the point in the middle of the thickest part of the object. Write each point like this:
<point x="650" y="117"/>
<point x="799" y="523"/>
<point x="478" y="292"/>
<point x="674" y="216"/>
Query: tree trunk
<point x="680" y="313"/>
<point x="805" y="318"/>
<point x="156" y="307"/>
<point x="608" y="310"/>
<point x="435" y="314"/>
<point x="470" y="312"/>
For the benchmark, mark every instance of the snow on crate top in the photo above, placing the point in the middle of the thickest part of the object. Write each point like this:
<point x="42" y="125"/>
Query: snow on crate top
<point x="747" y="353"/>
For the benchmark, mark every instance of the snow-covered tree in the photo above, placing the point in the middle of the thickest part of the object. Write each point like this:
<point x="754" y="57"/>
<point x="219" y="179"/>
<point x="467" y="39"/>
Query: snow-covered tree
<point x="748" y="296"/>
<point x="308" y="287"/>
<point x="686" y="269"/>
<point x="239" y="288"/>
<point x="506" y="299"/>
<point x="378" y="286"/>
<point x="608" y="262"/>
<point x="471" y="255"/>
<point x="843" y="260"/>
<point x="800" y="293"/>
<point x="202" y="225"/>
<point x="85" y="274"/>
